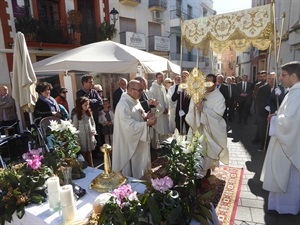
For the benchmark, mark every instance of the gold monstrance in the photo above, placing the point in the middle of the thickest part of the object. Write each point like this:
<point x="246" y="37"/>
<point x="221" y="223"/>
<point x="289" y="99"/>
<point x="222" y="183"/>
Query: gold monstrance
<point x="108" y="180"/>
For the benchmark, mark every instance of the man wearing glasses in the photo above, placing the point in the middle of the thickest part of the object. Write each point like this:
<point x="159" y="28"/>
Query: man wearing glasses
<point x="131" y="140"/>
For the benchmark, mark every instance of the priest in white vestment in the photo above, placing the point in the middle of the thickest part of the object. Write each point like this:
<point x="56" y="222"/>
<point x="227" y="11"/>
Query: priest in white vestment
<point x="207" y="118"/>
<point x="158" y="92"/>
<point x="131" y="147"/>
<point x="281" y="169"/>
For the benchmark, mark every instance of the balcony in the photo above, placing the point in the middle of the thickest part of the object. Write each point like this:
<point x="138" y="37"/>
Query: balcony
<point x="132" y="3"/>
<point x="175" y="15"/>
<point x="158" y="5"/>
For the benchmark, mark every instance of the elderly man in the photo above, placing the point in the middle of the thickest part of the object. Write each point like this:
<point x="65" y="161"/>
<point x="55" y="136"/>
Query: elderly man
<point x="131" y="153"/>
<point x="119" y="91"/>
<point x="206" y="117"/>
<point x="8" y="114"/>
<point x="281" y="169"/>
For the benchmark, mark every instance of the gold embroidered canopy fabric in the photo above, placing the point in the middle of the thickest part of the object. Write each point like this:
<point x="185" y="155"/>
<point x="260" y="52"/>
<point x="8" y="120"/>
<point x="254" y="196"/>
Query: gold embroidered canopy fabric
<point x="237" y="30"/>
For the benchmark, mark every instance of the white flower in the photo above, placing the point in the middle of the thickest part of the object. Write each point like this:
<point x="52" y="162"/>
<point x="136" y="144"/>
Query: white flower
<point x="54" y="126"/>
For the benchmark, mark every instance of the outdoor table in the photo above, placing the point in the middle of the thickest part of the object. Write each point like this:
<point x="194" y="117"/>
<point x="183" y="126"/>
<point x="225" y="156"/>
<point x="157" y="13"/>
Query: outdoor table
<point x="41" y="214"/>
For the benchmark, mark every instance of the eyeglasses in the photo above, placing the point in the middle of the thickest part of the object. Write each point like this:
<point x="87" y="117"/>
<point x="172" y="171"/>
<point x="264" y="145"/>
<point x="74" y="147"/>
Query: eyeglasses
<point x="99" y="91"/>
<point x="64" y="92"/>
<point x="140" y="90"/>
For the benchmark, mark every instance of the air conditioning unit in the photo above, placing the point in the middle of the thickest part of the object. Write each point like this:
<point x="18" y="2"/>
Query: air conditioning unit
<point x="156" y="16"/>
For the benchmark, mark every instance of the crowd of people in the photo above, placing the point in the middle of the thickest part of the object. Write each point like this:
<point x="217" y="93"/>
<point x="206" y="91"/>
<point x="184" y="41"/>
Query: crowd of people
<point x="141" y="118"/>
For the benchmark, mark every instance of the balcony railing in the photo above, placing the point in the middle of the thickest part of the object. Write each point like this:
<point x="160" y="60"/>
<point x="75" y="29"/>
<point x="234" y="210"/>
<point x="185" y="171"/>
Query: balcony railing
<point x="130" y="2"/>
<point x="158" y="5"/>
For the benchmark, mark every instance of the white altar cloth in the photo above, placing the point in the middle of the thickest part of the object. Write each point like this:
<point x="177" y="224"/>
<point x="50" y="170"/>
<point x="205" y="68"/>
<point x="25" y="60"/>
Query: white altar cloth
<point x="41" y="214"/>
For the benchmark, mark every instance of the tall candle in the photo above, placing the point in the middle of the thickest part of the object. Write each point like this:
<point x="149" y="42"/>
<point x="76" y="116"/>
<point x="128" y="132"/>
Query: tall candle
<point x="67" y="203"/>
<point x="53" y="193"/>
<point x="52" y="184"/>
<point x="66" y="195"/>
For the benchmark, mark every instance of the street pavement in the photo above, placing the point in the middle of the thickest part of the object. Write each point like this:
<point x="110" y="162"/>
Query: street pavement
<point x="252" y="206"/>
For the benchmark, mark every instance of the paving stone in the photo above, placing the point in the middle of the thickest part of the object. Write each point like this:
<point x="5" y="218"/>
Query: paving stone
<point x="252" y="203"/>
<point x="243" y="213"/>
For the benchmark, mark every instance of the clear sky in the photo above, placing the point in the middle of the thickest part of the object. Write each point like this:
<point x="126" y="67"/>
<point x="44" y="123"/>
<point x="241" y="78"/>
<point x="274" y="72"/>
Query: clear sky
<point x="225" y="6"/>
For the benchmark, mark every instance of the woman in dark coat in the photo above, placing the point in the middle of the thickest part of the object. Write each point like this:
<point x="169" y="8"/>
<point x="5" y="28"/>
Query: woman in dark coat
<point x="45" y="105"/>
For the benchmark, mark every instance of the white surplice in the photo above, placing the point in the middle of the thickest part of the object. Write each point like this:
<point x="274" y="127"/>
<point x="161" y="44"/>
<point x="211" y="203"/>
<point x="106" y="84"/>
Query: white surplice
<point x="211" y="123"/>
<point x="283" y="156"/>
<point x="131" y="149"/>
<point x="158" y="92"/>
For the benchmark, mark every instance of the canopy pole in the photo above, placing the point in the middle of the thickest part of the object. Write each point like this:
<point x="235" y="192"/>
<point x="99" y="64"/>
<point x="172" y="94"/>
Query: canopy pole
<point x="211" y="55"/>
<point x="181" y="42"/>
<point x="197" y="63"/>
<point x="275" y="60"/>
<point x="275" y="35"/>
<point x="181" y="50"/>
<point x="280" y="37"/>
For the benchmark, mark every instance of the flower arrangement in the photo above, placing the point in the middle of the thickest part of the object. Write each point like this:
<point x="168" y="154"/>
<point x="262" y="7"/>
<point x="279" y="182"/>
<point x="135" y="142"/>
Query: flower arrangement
<point x="177" y="191"/>
<point x="123" y="207"/>
<point x="22" y="184"/>
<point x="65" y="138"/>
<point x="66" y="146"/>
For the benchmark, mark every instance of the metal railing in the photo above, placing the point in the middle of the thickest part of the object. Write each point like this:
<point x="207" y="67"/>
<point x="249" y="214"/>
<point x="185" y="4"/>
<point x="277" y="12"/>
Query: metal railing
<point x="160" y="3"/>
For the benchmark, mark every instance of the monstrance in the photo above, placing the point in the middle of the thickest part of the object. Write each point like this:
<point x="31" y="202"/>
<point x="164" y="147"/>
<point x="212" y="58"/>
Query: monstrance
<point x="195" y="85"/>
<point x="108" y="180"/>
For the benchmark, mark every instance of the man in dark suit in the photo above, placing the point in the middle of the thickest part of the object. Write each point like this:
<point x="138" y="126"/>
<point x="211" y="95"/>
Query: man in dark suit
<point x="182" y="106"/>
<point x="262" y="97"/>
<point x="244" y="92"/>
<point x="223" y="88"/>
<point x="118" y="92"/>
<point x="232" y="97"/>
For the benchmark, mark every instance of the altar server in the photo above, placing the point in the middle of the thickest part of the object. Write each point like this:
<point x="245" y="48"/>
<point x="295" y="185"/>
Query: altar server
<point x="281" y="169"/>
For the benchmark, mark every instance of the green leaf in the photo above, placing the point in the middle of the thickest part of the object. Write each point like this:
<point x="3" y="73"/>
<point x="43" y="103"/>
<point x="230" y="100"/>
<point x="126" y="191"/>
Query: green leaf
<point x="201" y="219"/>
<point x="154" y="210"/>
<point x="20" y="211"/>
<point x="206" y="196"/>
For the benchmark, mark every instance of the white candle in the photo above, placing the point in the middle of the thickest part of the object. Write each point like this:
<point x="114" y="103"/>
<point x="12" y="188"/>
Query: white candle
<point x="53" y="192"/>
<point x="52" y="184"/>
<point x="68" y="213"/>
<point x="67" y="203"/>
<point x="66" y="195"/>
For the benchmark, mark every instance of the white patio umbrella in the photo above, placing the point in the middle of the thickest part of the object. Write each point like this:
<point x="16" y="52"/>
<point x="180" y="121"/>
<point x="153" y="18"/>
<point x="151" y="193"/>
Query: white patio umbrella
<point x="24" y="79"/>
<point x="106" y="57"/>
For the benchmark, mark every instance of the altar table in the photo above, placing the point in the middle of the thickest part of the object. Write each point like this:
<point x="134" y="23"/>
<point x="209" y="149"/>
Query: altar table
<point x="41" y="214"/>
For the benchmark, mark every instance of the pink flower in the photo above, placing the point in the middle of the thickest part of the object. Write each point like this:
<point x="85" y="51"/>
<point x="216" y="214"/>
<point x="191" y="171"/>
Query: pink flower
<point x="124" y="194"/>
<point x="162" y="184"/>
<point x="35" y="162"/>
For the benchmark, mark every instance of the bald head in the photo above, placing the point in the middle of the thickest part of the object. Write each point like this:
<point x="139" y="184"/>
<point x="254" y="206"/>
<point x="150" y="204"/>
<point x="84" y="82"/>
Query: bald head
<point x="134" y="89"/>
<point x="123" y="83"/>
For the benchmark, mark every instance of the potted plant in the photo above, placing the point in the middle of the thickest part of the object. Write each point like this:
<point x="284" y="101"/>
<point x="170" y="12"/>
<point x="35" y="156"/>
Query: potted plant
<point x="28" y="26"/>
<point x="74" y="19"/>
<point x="107" y="31"/>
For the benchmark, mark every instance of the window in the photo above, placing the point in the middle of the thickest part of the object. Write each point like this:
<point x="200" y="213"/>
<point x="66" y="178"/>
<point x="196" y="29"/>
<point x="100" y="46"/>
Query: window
<point x="178" y="8"/>
<point x="204" y="12"/>
<point x="127" y="24"/>
<point x="154" y="29"/>
<point x="48" y="12"/>
<point x="178" y="40"/>
<point x="21" y="8"/>
<point x="189" y="12"/>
